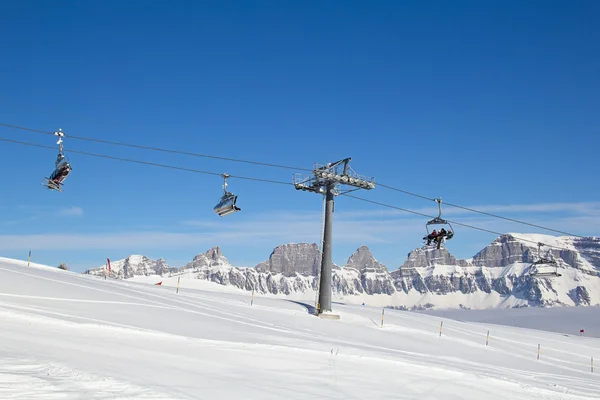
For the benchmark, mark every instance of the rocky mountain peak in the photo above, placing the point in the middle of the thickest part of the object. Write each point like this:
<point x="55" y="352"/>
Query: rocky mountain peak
<point x="292" y="258"/>
<point x="215" y="254"/>
<point x="203" y="260"/>
<point x="427" y="257"/>
<point x="499" y="271"/>
<point x="132" y="265"/>
<point x="504" y="250"/>
<point x="363" y="260"/>
<point x="590" y="250"/>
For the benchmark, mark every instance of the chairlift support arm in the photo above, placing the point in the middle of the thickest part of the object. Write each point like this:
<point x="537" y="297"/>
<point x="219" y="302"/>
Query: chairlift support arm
<point x="225" y="176"/>
<point x="439" y="202"/>
<point x="59" y="142"/>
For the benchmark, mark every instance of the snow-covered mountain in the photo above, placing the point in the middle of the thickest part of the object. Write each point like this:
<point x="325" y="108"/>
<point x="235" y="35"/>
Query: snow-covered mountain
<point x="497" y="276"/>
<point x="133" y="265"/>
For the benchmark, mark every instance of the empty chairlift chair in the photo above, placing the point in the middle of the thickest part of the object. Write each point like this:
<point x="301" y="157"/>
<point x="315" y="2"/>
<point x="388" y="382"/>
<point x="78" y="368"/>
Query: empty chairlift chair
<point x="546" y="263"/>
<point x="227" y="202"/>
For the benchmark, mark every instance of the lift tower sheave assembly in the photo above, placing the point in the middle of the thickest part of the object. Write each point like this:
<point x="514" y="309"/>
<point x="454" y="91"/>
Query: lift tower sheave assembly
<point x="329" y="180"/>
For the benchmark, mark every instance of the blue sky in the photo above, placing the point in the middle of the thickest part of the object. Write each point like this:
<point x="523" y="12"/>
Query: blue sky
<point x="492" y="105"/>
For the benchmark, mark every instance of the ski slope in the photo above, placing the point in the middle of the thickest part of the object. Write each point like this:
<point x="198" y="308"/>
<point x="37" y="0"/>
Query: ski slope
<point x="73" y="336"/>
<point x="567" y="320"/>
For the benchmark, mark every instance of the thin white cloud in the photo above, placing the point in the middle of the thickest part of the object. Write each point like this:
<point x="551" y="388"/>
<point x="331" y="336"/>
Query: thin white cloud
<point x="42" y="211"/>
<point x="70" y="212"/>
<point x="282" y="229"/>
<point x="583" y="208"/>
<point x="22" y="221"/>
<point x="126" y="240"/>
<point x="368" y="227"/>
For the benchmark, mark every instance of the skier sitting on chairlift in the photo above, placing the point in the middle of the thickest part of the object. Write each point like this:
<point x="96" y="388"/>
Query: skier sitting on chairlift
<point x="62" y="169"/>
<point x="441" y="235"/>
<point x="62" y="166"/>
<point x="432" y="236"/>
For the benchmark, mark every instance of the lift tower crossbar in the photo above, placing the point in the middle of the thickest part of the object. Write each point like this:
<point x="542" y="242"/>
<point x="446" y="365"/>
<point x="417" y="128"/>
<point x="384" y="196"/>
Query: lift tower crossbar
<point x="329" y="180"/>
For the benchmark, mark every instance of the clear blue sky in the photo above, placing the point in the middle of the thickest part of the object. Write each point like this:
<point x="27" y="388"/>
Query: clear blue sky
<point x="492" y="105"/>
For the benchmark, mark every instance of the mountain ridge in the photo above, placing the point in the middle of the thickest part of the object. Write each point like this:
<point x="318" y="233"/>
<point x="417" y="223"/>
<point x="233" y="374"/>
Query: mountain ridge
<point x="500" y="275"/>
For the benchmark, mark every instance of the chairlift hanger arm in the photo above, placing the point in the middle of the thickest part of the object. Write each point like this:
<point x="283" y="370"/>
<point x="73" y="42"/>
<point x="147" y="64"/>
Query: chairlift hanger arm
<point x="439" y="203"/>
<point x="225" y="176"/>
<point x="59" y="142"/>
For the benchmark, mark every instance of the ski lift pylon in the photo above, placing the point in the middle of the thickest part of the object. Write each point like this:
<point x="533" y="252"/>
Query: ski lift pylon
<point x="227" y="202"/>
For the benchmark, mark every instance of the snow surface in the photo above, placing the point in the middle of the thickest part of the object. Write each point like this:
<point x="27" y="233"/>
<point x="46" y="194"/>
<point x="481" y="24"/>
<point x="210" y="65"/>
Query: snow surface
<point x="75" y="336"/>
<point x="567" y="320"/>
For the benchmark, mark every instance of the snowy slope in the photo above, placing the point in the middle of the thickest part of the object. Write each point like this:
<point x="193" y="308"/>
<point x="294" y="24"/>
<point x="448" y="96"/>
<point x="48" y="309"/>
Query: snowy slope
<point x="557" y="319"/>
<point x="73" y="336"/>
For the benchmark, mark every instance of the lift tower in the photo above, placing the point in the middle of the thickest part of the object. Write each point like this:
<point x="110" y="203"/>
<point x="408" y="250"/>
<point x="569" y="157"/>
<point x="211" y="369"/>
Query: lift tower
<point x="328" y="180"/>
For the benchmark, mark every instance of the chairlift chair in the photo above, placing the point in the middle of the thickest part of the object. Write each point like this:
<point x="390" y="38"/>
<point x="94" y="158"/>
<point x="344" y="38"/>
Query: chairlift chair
<point x="62" y="167"/>
<point x="227" y="202"/>
<point x="439" y="221"/>
<point x="549" y="261"/>
<point x="536" y="273"/>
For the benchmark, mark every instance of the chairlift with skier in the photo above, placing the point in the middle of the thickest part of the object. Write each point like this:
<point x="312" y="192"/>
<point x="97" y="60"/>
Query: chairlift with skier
<point x="62" y="167"/>
<point x="444" y="234"/>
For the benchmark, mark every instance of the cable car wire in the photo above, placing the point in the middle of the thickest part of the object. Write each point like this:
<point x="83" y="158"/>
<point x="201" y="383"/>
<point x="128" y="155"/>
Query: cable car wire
<point x="267" y="181"/>
<point x="285" y="167"/>
<point x="460" y="223"/>
<point x="481" y="212"/>
<point x="136" y="146"/>
<point x="419" y="213"/>
<point x="147" y="162"/>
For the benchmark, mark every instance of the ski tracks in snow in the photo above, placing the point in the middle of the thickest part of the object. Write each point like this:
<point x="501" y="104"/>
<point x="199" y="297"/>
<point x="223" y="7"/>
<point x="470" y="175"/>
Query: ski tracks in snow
<point x="405" y="359"/>
<point x="22" y="379"/>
